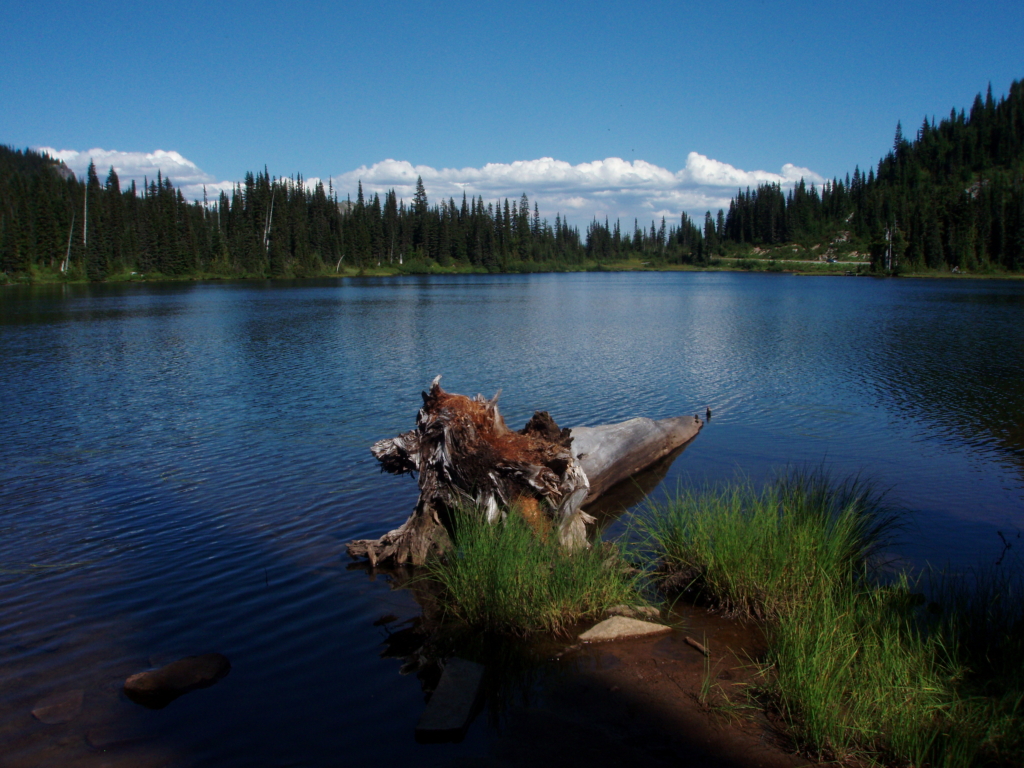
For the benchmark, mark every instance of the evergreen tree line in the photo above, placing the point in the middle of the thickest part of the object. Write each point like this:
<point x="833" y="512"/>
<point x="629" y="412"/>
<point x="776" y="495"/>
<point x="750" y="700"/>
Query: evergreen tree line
<point x="51" y="220"/>
<point x="952" y="197"/>
<point x="675" y="244"/>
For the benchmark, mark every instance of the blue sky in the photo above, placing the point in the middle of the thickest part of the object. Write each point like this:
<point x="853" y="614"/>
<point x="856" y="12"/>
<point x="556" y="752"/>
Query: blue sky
<point x="693" y="99"/>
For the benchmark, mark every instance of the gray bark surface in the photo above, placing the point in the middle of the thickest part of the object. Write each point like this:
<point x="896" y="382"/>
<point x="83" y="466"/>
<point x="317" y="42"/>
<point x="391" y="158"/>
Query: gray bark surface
<point x="612" y="453"/>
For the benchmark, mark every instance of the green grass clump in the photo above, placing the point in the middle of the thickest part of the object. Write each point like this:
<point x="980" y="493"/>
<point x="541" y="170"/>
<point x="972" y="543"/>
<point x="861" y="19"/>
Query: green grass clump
<point x="758" y="553"/>
<point x="855" y="674"/>
<point x="512" y="579"/>
<point x="858" y="669"/>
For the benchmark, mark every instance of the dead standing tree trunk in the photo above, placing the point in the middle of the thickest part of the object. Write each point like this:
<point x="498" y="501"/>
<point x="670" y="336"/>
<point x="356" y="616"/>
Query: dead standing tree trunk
<point x="465" y="455"/>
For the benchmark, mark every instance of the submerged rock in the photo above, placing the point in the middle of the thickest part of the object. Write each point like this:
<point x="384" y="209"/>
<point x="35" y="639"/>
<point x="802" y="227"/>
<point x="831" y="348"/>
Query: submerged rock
<point x="59" y="708"/>
<point x="453" y="703"/>
<point x="156" y="688"/>
<point x="619" y="628"/>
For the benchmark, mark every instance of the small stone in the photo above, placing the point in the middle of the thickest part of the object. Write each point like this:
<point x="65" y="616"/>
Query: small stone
<point x="621" y="610"/>
<point x="59" y="708"/>
<point x="620" y="627"/>
<point x="634" y="612"/>
<point x="157" y="688"/>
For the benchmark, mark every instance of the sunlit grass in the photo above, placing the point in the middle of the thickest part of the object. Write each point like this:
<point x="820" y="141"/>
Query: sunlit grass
<point x="513" y="579"/>
<point x="897" y="672"/>
<point x="857" y="669"/>
<point x="758" y="552"/>
<point x="854" y="674"/>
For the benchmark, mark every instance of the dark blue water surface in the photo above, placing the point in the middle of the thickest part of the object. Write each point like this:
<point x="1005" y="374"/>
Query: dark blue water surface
<point x="181" y="466"/>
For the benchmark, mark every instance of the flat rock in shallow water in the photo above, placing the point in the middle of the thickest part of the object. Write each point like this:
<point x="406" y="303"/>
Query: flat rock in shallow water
<point x="619" y="628"/>
<point x="157" y="688"/>
<point x="59" y="708"/>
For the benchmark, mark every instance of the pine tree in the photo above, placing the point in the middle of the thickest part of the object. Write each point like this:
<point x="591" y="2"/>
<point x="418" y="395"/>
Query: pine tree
<point x="114" y="220"/>
<point x="95" y="231"/>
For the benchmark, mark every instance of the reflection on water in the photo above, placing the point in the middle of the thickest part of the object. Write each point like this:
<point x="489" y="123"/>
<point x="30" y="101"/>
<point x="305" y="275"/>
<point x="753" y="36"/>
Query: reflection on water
<point x="610" y="506"/>
<point x="181" y="465"/>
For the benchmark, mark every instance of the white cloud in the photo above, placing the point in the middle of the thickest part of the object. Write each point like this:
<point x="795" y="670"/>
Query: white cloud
<point x="142" y="166"/>
<point x="613" y="187"/>
<point x="703" y="171"/>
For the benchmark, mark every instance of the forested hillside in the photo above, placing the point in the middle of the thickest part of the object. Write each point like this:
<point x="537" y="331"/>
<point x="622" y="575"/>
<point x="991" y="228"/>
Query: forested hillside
<point x="952" y="198"/>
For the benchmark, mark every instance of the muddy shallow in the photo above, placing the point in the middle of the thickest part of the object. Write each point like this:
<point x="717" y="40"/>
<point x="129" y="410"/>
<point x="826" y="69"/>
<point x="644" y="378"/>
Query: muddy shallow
<point x="639" y="702"/>
<point x="611" y="704"/>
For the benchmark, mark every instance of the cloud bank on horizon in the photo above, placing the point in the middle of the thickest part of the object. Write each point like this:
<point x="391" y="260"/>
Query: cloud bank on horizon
<point x="612" y="187"/>
<point x="141" y="167"/>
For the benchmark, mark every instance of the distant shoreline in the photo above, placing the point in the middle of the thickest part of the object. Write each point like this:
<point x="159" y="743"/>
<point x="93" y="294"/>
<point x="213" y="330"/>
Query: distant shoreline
<point x="804" y="267"/>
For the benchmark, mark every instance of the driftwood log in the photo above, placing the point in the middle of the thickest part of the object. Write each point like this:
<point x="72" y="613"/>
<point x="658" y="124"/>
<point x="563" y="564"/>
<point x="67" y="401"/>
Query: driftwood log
<point x="612" y="453"/>
<point x="466" y="456"/>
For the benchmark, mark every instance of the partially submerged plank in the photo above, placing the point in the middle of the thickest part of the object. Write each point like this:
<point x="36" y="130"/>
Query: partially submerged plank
<point x="453" y="702"/>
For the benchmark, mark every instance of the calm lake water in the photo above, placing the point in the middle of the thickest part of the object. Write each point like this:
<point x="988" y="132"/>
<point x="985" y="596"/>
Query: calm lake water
<point x="181" y="466"/>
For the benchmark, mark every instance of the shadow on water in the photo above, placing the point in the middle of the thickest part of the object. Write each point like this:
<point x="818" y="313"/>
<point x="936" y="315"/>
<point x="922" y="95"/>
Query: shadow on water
<point x="306" y="678"/>
<point x="965" y="374"/>
<point x="547" y="700"/>
<point x="599" y="705"/>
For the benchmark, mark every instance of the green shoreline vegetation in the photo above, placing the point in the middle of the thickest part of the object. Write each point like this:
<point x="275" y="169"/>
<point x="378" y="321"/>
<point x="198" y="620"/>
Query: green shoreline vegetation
<point x="861" y="666"/>
<point x="514" y="579"/>
<point x="950" y="201"/>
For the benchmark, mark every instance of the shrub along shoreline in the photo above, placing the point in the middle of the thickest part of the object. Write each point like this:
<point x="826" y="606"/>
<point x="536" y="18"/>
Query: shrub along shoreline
<point x="858" y="667"/>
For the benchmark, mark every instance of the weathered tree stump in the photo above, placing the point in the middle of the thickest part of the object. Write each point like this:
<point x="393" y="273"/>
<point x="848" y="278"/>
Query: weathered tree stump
<point x="465" y="455"/>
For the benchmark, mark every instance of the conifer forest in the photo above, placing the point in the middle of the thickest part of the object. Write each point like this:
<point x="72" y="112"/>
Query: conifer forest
<point x="948" y="197"/>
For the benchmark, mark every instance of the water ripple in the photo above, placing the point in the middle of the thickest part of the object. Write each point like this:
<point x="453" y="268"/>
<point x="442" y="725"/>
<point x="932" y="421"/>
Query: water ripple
<point x="182" y="464"/>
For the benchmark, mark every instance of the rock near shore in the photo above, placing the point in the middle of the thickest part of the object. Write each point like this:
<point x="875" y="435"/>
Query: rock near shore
<point x="59" y="708"/>
<point x="621" y="628"/>
<point x="156" y="688"/>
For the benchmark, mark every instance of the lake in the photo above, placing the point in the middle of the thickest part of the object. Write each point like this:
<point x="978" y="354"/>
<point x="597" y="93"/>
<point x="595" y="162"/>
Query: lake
<point x="181" y="465"/>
